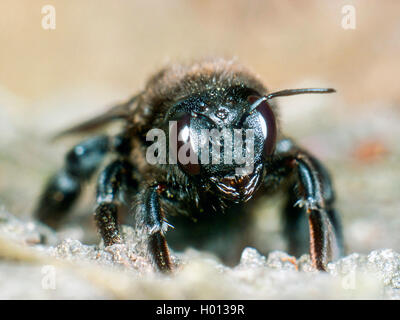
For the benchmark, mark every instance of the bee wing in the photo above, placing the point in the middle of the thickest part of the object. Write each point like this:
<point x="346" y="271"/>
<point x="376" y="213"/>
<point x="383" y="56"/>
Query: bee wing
<point x="118" y="112"/>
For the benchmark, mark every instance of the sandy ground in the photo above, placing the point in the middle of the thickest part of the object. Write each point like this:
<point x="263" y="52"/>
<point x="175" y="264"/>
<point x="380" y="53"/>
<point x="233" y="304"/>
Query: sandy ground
<point x="100" y="54"/>
<point x="72" y="270"/>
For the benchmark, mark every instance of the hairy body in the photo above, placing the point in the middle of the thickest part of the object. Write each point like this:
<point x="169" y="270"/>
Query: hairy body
<point x="204" y="201"/>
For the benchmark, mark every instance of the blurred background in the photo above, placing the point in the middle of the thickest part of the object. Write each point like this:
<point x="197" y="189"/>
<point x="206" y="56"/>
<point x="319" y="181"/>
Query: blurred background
<point x="102" y="52"/>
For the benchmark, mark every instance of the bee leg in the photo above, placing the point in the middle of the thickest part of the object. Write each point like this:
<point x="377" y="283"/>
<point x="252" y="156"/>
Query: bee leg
<point x="64" y="188"/>
<point x="295" y="224"/>
<point x="325" y="238"/>
<point x="154" y="222"/>
<point x="296" y="216"/>
<point x="115" y="182"/>
<point x="313" y="195"/>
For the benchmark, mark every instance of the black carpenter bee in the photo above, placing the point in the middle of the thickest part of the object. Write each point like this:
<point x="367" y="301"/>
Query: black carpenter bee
<point x="211" y="94"/>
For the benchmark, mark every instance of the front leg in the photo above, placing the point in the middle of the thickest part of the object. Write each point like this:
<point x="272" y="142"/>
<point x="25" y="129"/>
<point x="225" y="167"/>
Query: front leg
<point x="155" y="224"/>
<point x="116" y="181"/>
<point x="313" y="195"/>
<point x="324" y="245"/>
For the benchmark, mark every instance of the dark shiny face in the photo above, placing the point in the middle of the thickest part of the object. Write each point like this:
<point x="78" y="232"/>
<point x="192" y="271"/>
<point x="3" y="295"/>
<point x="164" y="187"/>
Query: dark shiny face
<point x="228" y="134"/>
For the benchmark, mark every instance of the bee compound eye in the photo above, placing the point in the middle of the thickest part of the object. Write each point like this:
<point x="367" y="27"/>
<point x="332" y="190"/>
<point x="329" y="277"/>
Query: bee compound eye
<point x="269" y="129"/>
<point x="251" y="99"/>
<point x="187" y="157"/>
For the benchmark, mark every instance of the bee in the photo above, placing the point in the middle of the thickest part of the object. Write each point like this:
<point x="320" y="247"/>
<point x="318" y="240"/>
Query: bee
<point x="197" y="98"/>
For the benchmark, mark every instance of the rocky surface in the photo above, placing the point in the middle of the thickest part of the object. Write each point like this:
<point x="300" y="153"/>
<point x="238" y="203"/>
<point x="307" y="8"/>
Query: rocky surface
<point x="72" y="270"/>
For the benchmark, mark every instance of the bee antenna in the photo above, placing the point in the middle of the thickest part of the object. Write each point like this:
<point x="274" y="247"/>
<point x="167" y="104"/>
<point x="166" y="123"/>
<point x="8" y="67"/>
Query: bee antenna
<point x="292" y="92"/>
<point x="285" y="93"/>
